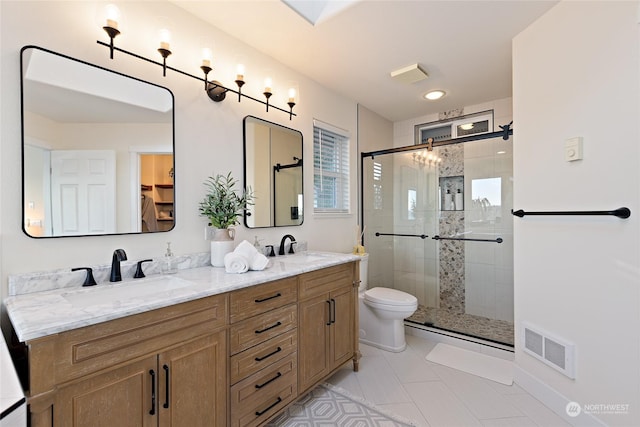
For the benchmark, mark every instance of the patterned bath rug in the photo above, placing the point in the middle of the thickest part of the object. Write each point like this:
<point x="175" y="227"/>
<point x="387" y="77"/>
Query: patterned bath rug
<point x="331" y="406"/>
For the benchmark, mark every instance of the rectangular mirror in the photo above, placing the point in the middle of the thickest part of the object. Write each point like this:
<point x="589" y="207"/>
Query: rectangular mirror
<point x="273" y="170"/>
<point x="97" y="149"/>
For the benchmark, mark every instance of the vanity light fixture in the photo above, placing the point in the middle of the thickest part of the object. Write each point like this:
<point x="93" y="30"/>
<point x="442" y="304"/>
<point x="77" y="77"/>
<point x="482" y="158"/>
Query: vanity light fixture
<point x="113" y="16"/>
<point x="292" y="100"/>
<point x="267" y="90"/>
<point x="206" y="64"/>
<point x="434" y="94"/>
<point x="240" y="79"/>
<point x="165" y="39"/>
<point x="215" y="90"/>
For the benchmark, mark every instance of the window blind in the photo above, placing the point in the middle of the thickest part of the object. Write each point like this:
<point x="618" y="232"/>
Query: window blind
<point x="331" y="169"/>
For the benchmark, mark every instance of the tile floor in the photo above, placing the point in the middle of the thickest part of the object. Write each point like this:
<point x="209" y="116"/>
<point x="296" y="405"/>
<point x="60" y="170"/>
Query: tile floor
<point x="436" y="396"/>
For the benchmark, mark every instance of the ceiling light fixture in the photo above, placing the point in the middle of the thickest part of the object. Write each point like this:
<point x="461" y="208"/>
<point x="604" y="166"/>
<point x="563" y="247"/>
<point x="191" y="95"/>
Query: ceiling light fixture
<point x="434" y="94"/>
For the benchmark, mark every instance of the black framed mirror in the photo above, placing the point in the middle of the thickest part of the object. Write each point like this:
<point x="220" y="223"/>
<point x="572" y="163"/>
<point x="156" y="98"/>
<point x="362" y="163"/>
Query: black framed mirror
<point x="273" y="168"/>
<point x="97" y="149"/>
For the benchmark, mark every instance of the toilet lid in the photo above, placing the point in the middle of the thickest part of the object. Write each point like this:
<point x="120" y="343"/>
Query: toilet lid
<point x="389" y="296"/>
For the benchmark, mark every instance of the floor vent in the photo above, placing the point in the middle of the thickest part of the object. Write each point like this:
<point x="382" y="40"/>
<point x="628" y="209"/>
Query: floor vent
<point x="555" y="352"/>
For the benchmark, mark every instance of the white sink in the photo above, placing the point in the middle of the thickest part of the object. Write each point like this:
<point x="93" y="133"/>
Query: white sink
<point x="303" y="258"/>
<point x="107" y="294"/>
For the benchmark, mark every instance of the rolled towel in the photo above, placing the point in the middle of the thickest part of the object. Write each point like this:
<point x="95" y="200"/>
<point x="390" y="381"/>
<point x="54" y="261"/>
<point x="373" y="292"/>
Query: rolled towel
<point x="247" y="249"/>
<point x="258" y="262"/>
<point x="235" y="263"/>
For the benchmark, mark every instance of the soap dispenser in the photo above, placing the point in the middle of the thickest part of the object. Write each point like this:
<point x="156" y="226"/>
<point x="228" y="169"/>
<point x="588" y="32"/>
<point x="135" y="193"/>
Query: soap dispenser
<point x="169" y="261"/>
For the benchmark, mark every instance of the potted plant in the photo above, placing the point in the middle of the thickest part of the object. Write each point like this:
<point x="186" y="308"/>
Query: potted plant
<point x="222" y="206"/>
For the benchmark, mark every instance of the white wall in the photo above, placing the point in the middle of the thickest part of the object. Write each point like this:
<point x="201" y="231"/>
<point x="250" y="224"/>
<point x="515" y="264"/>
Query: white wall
<point x="576" y="73"/>
<point x="208" y="134"/>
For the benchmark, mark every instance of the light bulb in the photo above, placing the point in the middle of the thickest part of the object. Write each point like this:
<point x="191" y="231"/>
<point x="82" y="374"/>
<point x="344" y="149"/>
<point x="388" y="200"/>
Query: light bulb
<point x="165" y="38"/>
<point x="206" y="57"/>
<point x="240" y="72"/>
<point x="292" y="94"/>
<point x="112" y="15"/>
<point x="267" y="84"/>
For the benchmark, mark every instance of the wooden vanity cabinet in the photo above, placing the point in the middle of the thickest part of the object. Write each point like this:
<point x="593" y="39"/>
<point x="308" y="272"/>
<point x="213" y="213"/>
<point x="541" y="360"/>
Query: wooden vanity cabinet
<point x="166" y="367"/>
<point x="327" y="325"/>
<point x="234" y="359"/>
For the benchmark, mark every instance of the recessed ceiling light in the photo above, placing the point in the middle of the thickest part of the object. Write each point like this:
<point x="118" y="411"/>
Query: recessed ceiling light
<point x="434" y="94"/>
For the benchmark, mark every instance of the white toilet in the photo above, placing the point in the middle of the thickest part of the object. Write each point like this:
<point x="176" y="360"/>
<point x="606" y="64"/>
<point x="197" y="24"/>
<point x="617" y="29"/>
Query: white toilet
<point x="382" y="313"/>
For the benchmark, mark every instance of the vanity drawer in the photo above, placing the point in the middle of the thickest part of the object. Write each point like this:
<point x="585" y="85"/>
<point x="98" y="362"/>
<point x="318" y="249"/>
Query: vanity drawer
<point x="259" y="329"/>
<point x="85" y="350"/>
<point x="322" y="281"/>
<point x="252" y="360"/>
<point x="259" y="299"/>
<point x="258" y="397"/>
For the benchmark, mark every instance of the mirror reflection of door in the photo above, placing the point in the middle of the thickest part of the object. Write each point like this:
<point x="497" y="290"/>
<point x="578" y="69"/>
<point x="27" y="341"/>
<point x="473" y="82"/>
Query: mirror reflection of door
<point x="156" y="192"/>
<point x="83" y="191"/>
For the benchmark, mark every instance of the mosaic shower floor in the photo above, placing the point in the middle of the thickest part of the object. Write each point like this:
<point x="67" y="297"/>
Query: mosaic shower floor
<point x="499" y="331"/>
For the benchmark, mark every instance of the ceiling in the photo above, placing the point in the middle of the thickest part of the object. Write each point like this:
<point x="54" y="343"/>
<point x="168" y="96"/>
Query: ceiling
<point x="464" y="46"/>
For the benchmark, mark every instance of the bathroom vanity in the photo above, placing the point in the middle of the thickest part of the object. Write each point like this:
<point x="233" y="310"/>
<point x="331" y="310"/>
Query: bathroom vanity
<point x="205" y="349"/>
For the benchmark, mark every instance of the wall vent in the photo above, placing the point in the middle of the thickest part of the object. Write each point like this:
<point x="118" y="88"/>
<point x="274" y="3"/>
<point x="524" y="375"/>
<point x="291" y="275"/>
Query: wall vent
<point x="554" y="351"/>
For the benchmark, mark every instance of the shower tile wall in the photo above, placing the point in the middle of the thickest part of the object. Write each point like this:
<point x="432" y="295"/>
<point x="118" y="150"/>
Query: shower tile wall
<point x="451" y="253"/>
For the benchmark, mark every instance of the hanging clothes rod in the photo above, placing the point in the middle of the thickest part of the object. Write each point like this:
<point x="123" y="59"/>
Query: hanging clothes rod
<point x="422" y="236"/>
<point x="498" y="240"/>
<point x="620" y="213"/>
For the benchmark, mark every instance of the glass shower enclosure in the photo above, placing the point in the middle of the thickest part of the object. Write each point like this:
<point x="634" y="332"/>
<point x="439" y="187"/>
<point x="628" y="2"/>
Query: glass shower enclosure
<point x="438" y="225"/>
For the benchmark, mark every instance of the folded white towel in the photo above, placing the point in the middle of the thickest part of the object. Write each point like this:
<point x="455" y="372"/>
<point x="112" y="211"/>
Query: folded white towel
<point x="258" y="262"/>
<point x="235" y="263"/>
<point x="247" y="249"/>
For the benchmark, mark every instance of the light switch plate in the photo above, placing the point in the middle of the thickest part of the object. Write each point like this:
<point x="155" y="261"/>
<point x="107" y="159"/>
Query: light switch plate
<point x="573" y="149"/>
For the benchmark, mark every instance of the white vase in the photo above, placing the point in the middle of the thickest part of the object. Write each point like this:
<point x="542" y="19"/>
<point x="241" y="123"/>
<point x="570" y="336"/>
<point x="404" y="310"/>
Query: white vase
<point x="221" y="244"/>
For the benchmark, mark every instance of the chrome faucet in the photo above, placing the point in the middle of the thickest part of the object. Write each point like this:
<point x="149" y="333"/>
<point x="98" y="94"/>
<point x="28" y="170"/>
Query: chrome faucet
<point x="118" y="255"/>
<point x="282" y="242"/>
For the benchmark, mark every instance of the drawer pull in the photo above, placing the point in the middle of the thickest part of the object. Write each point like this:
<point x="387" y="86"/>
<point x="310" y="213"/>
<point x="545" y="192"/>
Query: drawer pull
<point x="278" y="375"/>
<point x="166" y="388"/>
<point x="268" y="298"/>
<point x="258" y="413"/>
<point x="329" y="322"/>
<point x="153" y="392"/>
<point x="333" y="311"/>
<point x="260" y="359"/>
<point x="267" y="328"/>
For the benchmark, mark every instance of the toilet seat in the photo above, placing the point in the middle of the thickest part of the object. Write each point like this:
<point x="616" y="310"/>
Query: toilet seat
<point x="390" y="297"/>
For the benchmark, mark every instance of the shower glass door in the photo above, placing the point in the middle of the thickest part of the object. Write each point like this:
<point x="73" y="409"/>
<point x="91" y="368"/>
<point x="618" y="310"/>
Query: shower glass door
<point x="438" y="226"/>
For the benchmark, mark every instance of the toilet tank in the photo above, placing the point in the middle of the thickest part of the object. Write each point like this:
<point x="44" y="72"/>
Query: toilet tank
<point x="364" y="272"/>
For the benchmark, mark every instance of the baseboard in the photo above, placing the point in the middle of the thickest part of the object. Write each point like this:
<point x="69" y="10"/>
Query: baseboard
<point x="552" y="399"/>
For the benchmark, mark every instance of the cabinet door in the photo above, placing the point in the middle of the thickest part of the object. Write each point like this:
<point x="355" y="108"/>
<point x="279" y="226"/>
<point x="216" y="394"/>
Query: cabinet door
<point x="343" y="326"/>
<point x="192" y="389"/>
<point x="122" y="397"/>
<point x="313" y="341"/>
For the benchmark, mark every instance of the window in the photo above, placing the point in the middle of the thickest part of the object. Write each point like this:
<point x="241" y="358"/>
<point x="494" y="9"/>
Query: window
<point x="472" y="124"/>
<point x="330" y="169"/>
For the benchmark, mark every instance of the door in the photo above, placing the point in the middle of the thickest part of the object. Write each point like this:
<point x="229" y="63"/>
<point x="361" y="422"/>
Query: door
<point x="192" y="390"/>
<point x="343" y="325"/>
<point x="122" y="397"/>
<point x="313" y="341"/>
<point x="83" y="192"/>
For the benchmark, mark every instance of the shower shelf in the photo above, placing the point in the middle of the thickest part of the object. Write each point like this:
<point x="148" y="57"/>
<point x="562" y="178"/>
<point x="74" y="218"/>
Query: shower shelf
<point x="422" y="236"/>
<point x="498" y="240"/>
<point x="620" y="213"/>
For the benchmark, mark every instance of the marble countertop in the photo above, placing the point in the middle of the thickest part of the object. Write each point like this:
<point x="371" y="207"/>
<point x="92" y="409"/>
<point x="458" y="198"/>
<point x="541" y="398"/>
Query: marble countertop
<point x="38" y="314"/>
